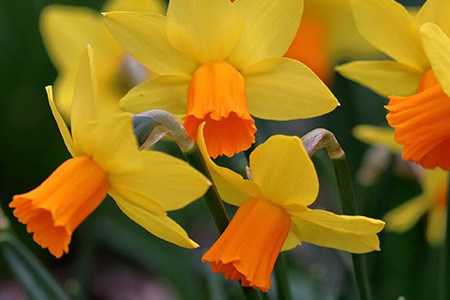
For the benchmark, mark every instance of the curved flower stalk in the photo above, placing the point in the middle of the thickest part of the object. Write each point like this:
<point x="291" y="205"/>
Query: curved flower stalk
<point x="328" y="35"/>
<point x="106" y="159"/>
<point x="221" y="63"/>
<point x="273" y="213"/>
<point x="65" y="42"/>
<point x="432" y="201"/>
<point x="416" y="81"/>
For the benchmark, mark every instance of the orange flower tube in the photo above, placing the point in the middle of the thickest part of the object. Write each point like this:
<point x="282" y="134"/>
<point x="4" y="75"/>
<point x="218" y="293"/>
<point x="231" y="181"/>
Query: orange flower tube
<point x="248" y="248"/>
<point x="53" y="210"/>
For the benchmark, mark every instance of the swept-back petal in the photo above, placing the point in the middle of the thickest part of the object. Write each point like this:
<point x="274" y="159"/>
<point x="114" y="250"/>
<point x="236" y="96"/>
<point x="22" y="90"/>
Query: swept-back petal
<point x="231" y="186"/>
<point x="377" y="135"/>
<point x="437" y="47"/>
<point x="388" y="26"/>
<point x="160" y="225"/>
<point x="154" y="6"/>
<point x="171" y="182"/>
<point x="162" y="92"/>
<point x="292" y="240"/>
<point x="286" y="89"/>
<point x="384" y="77"/>
<point x="435" y="11"/>
<point x="284" y="172"/>
<point x="269" y="28"/>
<point x="61" y="124"/>
<point x="354" y="234"/>
<point x="436" y="226"/>
<point x="404" y="217"/>
<point x="203" y="30"/>
<point x="143" y="35"/>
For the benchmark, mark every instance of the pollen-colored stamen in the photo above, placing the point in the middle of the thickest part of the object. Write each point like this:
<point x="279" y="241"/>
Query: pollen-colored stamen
<point x="53" y="210"/>
<point x="422" y="123"/>
<point x="248" y="248"/>
<point x="216" y="96"/>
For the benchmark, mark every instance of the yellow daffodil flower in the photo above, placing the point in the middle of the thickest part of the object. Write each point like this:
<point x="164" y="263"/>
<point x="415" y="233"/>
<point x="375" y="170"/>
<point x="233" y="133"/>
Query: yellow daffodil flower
<point x="417" y="81"/>
<point x="144" y="184"/>
<point x="328" y="35"/>
<point x="221" y="62"/>
<point x="66" y="31"/>
<point x="273" y="213"/>
<point x="432" y="200"/>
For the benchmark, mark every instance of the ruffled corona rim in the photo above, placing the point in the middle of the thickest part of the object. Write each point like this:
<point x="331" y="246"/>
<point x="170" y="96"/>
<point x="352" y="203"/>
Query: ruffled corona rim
<point x="248" y="248"/>
<point x="422" y="123"/>
<point x="216" y="95"/>
<point x="53" y="210"/>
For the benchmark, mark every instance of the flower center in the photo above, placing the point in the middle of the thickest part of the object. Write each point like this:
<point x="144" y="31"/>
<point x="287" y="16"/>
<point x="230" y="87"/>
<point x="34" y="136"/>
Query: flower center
<point x="54" y="209"/>
<point x="216" y="95"/>
<point x="248" y="248"/>
<point x="422" y="123"/>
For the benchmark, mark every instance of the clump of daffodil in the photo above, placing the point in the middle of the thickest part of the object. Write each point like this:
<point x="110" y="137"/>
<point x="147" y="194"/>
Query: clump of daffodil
<point x="273" y="213"/>
<point x="106" y="160"/>
<point x="432" y="201"/>
<point x="417" y="81"/>
<point x="220" y="62"/>
<point x="328" y="35"/>
<point x="66" y="30"/>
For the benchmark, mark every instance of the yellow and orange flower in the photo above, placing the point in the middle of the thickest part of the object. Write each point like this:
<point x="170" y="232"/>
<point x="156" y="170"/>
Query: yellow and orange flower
<point x="106" y="159"/>
<point x="66" y="30"/>
<point x="221" y="62"/>
<point x="273" y="213"/>
<point x="417" y="81"/>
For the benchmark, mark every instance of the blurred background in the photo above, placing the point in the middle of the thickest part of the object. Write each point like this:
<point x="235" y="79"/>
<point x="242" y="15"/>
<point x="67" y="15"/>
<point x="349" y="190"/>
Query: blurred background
<point x="112" y="258"/>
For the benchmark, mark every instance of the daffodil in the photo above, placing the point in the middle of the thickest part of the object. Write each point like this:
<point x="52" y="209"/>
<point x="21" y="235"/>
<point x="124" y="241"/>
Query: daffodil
<point x="220" y="62"/>
<point x="328" y="35"/>
<point x="106" y="159"/>
<point x="418" y="78"/>
<point x="273" y="213"/>
<point x="66" y="30"/>
<point x="432" y="201"/>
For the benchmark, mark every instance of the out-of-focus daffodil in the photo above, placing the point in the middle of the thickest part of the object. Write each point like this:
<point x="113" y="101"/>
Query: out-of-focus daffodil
<point x="67" y="30"/>
<point x="418" y="76"/>
<point x="273" y="213"/>
<point x="432" y="200"/>
<point x="221" y="62"/>
<point x="328" y="35"/>
<point x="106" y="159"/>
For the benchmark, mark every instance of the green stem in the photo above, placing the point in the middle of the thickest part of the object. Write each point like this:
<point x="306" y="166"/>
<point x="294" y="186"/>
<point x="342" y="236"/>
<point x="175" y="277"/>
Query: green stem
<point x="444" y="291"/>
<point x="347" y="196"/>
<point x="213" y="200"/>
<point x="280" y="270"/>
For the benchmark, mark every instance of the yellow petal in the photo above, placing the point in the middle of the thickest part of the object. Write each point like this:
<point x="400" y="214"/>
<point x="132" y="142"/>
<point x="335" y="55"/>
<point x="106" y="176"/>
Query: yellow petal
<point x="284" y="172"/>
<point x="160" y="225"/>
<point x="377" y="135"/>
<point x="285" y="89"/>
<point x="437" y="47"/>
<point x="144" y="36"/>
<point x="292" y="240"/>
<point x="269" y="28"/>
<point x="404" y="217"/>
<point x="154" y="6"/>
<point x="203" y="30"/>
<point x="61" y="124"/>
<point x="356" y="234"/>
<point x="384" y="77"/>
<point x="388" y="26"/>
<point x="433" y="181"/>
<point x="171" y="182"/>
<point x="435" y="11"/>
<point x="162" y="92"/>
<point x="436" y="226"/>
<point x="231" y="186"/>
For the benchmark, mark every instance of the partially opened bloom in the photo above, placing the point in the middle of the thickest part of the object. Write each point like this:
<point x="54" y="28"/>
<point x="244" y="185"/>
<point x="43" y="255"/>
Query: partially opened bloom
<point x="431" y="202"/>
<point x="144" y="184"/>
<point x="220" y="62"/>
<point x="66" y="30"/>
<point x="273" y="213"/>
<point x="417" y="81"/>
